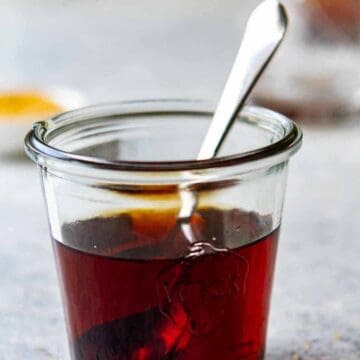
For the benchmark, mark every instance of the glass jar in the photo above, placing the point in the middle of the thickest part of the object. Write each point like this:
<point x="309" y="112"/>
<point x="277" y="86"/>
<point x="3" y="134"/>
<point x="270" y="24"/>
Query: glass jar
<point x="132" y="286"/>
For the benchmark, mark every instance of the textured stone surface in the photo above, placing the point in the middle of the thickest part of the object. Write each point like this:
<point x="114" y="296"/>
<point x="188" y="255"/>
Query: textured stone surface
<point x="315" y="313"/>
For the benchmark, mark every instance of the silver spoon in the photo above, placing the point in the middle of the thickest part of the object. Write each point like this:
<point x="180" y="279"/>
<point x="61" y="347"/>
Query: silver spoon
<point x="264" y="33"/>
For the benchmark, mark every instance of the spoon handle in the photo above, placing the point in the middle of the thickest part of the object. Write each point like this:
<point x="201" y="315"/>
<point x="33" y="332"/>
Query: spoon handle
<point x="264" y="32"/>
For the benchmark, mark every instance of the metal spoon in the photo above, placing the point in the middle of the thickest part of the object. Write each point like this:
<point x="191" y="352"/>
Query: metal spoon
<point x="264" y="33"/>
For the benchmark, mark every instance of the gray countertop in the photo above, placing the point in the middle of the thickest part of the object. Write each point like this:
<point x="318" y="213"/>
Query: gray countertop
<point x="315" y="311"/>
<point x="316" y="300"/>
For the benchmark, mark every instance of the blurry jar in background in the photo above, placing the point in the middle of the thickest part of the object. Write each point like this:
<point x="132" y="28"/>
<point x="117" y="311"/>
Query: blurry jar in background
<point x="315" y="78"/>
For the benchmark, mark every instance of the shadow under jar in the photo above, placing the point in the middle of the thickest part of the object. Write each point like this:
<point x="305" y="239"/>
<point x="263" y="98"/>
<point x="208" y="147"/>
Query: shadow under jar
<point x="131" y="286"/>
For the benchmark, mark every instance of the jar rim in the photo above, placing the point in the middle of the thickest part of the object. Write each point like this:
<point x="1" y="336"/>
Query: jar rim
<point x="37" y="147"/>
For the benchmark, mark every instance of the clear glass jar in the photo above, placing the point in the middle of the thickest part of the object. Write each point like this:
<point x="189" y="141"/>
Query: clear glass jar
<point x="132" y="287"/>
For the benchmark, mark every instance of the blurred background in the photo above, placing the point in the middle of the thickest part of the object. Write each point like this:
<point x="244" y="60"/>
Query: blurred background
<point x="61" y="54"/>
<point x="109" y="49"/>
